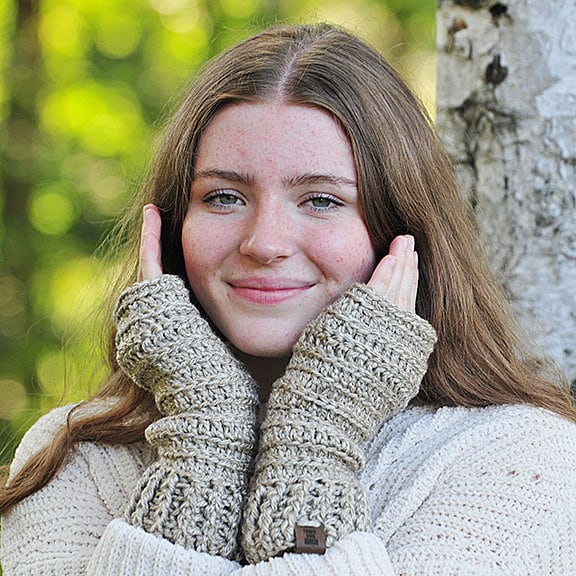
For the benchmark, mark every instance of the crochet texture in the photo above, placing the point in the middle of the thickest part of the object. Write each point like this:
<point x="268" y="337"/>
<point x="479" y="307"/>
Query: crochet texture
<point x="453" y="490"/>
<point x="194" y="493"/>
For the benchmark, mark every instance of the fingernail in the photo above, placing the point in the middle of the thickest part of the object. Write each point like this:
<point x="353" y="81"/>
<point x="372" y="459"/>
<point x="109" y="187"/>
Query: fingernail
<point x="408" y="243"/>
<point x="147" y="211"/>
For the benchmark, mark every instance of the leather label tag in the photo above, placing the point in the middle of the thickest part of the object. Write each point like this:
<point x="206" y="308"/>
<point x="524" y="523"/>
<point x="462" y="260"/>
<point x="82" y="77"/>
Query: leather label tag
<point x="310" y="540"/>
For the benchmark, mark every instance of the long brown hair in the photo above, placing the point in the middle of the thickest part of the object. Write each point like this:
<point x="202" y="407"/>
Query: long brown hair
<point x="406" y="185"/>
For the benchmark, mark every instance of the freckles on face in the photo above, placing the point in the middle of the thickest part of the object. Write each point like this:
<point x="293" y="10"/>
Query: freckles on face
<point x="274" y="231"/>
<point x="349" y="260"/>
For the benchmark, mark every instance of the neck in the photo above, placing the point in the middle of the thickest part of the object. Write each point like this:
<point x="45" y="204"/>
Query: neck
<point x="264" y="370"/>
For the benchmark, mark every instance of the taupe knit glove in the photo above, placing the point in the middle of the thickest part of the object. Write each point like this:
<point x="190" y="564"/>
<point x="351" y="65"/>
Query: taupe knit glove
<point x="359" y="362"/>
<point x="194" y="493"/>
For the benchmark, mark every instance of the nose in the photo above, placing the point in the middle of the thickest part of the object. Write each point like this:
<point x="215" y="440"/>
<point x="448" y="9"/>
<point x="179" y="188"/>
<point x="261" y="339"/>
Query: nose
<point x="268" y="235"/>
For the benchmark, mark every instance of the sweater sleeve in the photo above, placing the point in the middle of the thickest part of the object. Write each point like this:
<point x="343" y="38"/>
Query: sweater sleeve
<point x="476" y="492"/>
<point x="124" y="549"/>
<point x="54" y="530"/>
<point x="70" y="527"/>
<point x="460" y="492"/>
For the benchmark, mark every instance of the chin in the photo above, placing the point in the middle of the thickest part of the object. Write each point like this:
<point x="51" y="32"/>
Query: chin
<point x="266" y="352"/>
<point x="265" y="349"/>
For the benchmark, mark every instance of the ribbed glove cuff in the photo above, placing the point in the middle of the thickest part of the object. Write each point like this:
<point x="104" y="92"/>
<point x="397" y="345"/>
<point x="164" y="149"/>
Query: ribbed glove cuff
<point x="206" y="441"/>
<point x="195" y="492"/>
<point x="191" y="506"/>
<point x="287" y="495"/>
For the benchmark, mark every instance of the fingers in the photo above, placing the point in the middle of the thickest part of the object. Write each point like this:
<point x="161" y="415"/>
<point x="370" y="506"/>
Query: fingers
<point x="396" y="276"/>
<point x="150" y="249"/>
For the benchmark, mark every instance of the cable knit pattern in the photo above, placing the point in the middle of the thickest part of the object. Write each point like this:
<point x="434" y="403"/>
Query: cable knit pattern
<point x="360" y="361"/>
<point x="194" y="493"/>
<point x="452" y="492"/>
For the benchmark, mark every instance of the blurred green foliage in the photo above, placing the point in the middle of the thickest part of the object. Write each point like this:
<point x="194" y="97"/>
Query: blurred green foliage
<point x="83" y="86"/>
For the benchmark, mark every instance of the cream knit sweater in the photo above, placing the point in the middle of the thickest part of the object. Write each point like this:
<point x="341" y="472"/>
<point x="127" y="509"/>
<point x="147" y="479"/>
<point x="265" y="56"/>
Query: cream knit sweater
<point x="452" y="491"/>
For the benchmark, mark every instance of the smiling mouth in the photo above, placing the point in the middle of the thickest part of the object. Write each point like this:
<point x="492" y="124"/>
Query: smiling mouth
<point x="268" y="293"/>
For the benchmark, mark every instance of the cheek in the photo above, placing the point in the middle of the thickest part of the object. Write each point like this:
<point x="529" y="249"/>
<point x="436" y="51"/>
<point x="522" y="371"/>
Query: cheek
<point x="347" y="259"/>
<point x="362" y="264"/>
<point x="189" y="247"/>
<point x="200" y="248"/>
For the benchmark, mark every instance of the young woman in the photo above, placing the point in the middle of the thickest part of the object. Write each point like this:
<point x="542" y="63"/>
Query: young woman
<point x="317" y="397"/>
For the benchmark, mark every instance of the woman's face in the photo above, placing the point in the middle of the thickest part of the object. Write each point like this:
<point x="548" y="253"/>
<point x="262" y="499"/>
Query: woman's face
<point x="274" y="232"/>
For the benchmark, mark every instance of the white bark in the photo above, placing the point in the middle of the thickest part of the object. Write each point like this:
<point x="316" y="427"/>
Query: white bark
<point x="506" y="109"/>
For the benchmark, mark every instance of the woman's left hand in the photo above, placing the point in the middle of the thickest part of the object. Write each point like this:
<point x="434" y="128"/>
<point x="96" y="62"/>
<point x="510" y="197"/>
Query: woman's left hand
<point x="359" y="362"/>
<point x="396" y="275"/>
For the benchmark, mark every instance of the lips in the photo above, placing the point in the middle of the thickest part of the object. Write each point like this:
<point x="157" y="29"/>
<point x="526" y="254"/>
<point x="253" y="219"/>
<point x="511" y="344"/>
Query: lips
<point x="268" y="290"/>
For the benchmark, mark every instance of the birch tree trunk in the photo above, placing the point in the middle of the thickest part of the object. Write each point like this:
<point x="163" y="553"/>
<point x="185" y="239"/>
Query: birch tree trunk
<point x="506" y="109"/>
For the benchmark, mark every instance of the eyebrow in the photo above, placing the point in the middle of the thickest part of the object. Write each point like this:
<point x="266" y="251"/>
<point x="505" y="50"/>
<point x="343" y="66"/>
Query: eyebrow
<point x="292" y="182"/>
<point x="318" y="179"/>
<point x="228" y="175"/>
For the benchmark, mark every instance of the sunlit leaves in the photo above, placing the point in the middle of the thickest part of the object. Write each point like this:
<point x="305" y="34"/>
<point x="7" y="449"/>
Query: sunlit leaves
<point x="62" y="377"/>
<point x="74" y="289"/>
<point x="12" y="306"/>
<point x="118" y="35"/>
<point x="51" y="211"/>
<point x="102" y="183"/>
<point x="104" y="119"/>
<point x="14" y="398"/>
<point x="239" y="9"/>
<point x="62" y="31"/>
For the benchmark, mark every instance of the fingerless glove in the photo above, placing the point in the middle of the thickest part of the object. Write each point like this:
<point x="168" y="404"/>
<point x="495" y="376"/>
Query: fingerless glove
<point x="194" y="493"/>
<point x="361" y="361"/>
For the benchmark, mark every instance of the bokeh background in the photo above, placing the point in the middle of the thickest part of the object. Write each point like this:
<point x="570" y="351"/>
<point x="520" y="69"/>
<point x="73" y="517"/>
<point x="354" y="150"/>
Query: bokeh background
<point x="84" y="88"/>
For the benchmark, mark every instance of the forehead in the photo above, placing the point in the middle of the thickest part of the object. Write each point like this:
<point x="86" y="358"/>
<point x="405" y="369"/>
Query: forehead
<point x="275" y="135"/>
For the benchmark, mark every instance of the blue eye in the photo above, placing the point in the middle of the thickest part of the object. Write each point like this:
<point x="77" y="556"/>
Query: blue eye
<point x="223" y="199"/>
<point x="323" y="202"/>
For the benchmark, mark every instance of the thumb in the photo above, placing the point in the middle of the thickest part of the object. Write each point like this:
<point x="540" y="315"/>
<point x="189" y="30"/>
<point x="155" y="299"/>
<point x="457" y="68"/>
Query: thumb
<point x="150" y="248"/>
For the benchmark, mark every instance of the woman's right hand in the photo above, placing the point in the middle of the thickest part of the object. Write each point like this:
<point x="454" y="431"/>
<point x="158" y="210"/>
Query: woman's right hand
<point x="150" y="263"/>
<point x="193" y="494"/>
